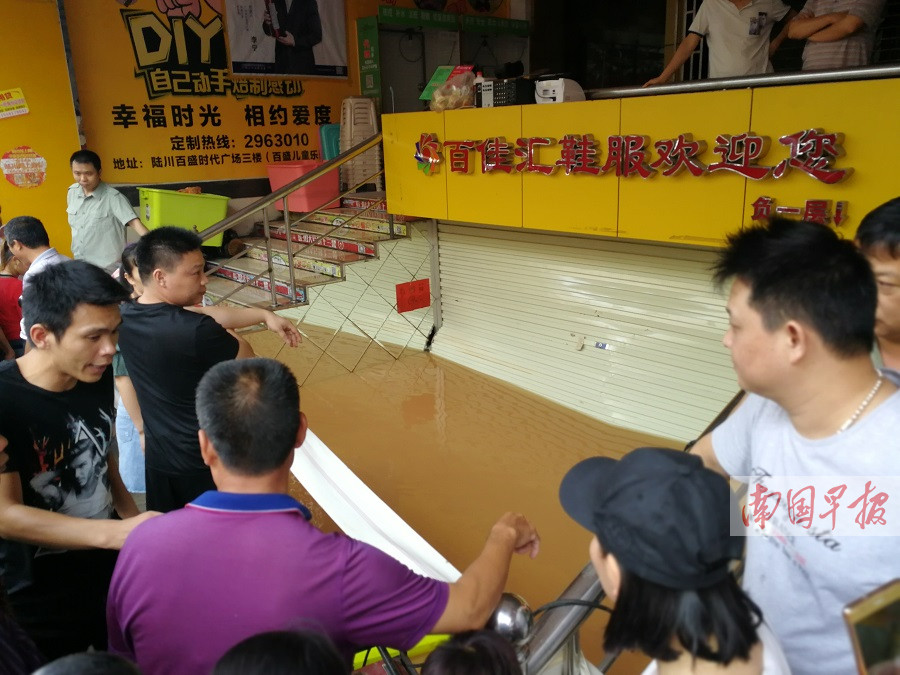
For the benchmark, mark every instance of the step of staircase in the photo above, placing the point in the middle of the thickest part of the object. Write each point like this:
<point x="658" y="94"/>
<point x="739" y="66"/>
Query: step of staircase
<point x="375" y="202"/>
<point x="322" y="262"/>
<point x="249" y="296"/>
<point x="244" y="269"/>
<point x="319" y="259"/>
<point x="342" y="239"/>
<point x="367" y="223"/>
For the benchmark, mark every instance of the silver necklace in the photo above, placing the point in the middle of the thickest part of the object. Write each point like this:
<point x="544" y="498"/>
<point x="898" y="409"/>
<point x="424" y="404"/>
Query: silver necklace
<point x="862" y="406"/>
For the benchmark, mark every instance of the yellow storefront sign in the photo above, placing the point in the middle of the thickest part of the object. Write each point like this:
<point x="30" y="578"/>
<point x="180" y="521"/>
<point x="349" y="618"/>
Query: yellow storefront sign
<point x="683" y="168"/>
<point x="170" y="96"/>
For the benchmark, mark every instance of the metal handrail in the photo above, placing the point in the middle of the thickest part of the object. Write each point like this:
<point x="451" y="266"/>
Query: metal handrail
<point x="282" y="192"/>
<point x="262" y="205"/>
<point x="721" y="417"/>
<point x="557" y="625"/>
<point x="332" y="230"/>
<point x="779" y="80"/>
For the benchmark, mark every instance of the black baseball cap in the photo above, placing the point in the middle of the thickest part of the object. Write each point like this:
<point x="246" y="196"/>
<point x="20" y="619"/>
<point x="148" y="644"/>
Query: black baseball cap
<point x="665" y="517"/>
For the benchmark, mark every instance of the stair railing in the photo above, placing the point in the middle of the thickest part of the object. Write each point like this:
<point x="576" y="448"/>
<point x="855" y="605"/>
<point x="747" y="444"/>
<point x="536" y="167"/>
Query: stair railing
<point x="557" y="628"/>
<point x="291" y="254"/>
<point x="288" y="227"/>
<point x="262" y="204"/>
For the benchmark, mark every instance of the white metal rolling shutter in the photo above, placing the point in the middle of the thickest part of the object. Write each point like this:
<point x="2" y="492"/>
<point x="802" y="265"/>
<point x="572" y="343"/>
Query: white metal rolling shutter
<point x="627" y="333"/>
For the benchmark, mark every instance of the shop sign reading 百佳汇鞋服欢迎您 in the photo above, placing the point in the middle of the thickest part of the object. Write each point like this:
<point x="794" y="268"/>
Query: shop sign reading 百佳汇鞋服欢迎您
<point x="811" y="151"/>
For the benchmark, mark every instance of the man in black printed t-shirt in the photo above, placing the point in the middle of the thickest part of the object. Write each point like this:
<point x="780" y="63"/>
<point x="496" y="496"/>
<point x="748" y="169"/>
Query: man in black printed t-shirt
<point x="61" y="499"/>
<point x="169" y="343"/>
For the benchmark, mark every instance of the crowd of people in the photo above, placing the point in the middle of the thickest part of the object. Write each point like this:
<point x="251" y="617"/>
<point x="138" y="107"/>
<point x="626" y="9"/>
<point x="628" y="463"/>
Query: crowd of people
<point x="740" y="35"/>
<point x="225" y="574"/>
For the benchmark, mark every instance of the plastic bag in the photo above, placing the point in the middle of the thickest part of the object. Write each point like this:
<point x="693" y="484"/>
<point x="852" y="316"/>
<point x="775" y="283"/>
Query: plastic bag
<point x="457" y="92"/>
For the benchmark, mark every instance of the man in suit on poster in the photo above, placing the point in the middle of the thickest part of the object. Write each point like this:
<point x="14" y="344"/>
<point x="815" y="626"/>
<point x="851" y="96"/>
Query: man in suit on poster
<point x="297" y="28"/>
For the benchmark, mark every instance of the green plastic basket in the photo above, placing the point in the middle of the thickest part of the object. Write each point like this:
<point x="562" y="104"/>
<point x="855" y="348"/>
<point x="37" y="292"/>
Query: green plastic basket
<point x="180" y="209"/>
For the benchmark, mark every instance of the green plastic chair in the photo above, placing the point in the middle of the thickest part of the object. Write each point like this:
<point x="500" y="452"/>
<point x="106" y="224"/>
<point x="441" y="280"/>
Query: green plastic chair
<point x="330" y="139"/>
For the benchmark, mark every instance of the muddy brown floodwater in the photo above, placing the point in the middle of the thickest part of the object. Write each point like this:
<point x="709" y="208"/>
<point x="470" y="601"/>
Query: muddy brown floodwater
<point x="450" y="450"/>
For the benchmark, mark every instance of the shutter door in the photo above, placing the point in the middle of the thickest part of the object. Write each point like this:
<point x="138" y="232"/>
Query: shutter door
<point x="628" y="333"/>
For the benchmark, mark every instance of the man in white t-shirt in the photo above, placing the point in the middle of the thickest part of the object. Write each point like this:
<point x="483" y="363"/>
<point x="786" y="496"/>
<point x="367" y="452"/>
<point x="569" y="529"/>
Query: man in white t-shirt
<point x="737" y="34"/>
<point x="801" y="316"/>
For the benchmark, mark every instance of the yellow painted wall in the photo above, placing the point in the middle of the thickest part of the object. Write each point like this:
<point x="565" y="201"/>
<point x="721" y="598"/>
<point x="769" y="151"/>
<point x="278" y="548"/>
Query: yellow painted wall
<point x="425" y="199"/>
<point x="682" y="208"/>
<point x="494" y="197"/>
<point x="868" y="113"/>
<point x="548" y="200"/>
<point x="34" y="61"/>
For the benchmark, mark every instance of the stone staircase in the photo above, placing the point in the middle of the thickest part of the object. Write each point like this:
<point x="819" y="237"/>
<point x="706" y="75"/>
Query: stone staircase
<point x="333" y="239"/>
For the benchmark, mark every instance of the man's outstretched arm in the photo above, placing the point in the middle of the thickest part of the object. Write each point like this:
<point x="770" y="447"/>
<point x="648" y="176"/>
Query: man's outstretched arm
<point x="476" y="593"/>
<point x="231" y="318"/>
<point x="46" y="528"/>
<point x="682" y="54"/>
<point x="138" y="226"/>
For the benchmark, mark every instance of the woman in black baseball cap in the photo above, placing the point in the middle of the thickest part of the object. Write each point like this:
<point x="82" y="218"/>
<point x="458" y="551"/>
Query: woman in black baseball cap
<point x="663" y="549"/>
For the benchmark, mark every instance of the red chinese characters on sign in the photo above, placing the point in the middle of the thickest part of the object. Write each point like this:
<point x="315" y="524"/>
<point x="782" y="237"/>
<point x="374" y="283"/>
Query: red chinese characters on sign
<point x="495" y="155"/>
<point x="579" y="154"/>
<point x="817" y="211"/>
<point x="762" y="208"/>
<point x="627" y="155"/>
<point x="740" y="153"/>
<point x="813" y="151"/>
<point x="813" y="210"/>
<point x="413" y="295"/>
<point x="458" y="155"/>
<point x="526" y="149"/>
<point x="676" y="154"/>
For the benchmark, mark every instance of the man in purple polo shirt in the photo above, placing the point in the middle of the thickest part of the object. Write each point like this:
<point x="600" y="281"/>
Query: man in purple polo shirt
<point x="243" y="560"/>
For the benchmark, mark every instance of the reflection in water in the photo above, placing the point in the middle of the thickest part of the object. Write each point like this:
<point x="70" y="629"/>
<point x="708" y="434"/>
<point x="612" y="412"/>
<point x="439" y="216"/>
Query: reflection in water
<point x="450" y="450"/>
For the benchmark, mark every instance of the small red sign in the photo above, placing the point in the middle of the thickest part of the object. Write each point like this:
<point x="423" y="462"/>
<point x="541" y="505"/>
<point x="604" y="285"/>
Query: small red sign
<point x="413" y="295"/>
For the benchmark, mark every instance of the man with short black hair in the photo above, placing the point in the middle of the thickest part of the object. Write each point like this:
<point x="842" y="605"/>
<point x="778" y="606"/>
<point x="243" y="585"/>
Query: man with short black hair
<point x="98" y="214"/>
<point x="245" y="559"/>
<point x="801" y="314"/>
<point x="60" y="493"/>
<point x="168" y="344"/>
<point x="29" y="242"/>
<point x="878" y="237"/>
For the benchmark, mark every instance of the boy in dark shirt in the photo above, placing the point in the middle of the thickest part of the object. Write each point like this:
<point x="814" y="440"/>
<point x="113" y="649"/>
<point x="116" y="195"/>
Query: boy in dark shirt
<point x="169" y="344"/>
